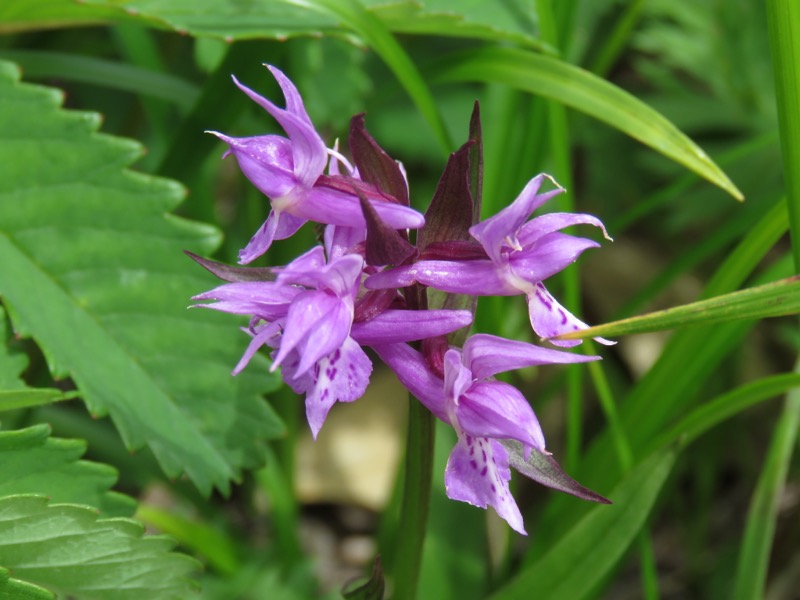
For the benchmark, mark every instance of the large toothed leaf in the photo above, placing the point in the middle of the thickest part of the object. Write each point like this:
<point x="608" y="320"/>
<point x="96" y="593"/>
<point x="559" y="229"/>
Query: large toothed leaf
<point x="14" y="393"/>
<point x="93" y="270"/>
<point x="66" y="549"/>
<point x="511" y="20"/>
<point x="34" y="463"/>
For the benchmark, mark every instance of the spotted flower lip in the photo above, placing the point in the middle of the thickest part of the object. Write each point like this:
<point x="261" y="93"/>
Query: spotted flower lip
<point x="306" y="315"/>
<point x="483" y="412"/>
<point x="287" y="170"/>
<point x="518" y="255"/>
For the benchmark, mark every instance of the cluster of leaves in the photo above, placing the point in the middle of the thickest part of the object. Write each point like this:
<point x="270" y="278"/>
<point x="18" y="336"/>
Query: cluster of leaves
<point x="95" y="284"/>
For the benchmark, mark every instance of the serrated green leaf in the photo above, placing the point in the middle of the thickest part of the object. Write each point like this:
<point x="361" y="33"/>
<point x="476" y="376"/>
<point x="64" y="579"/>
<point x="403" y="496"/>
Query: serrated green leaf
<point x="93" y="270"/>
<point x="34" y="15"/>
<point x="581" y="558"/>
<point x="579" y="89"/>
<point x="776" y="299"/>
<point x="35" y="463"/>
<point x="67" y="549"/>
<point x="512" y="20"/>
<point x="14" y="393"/>
<point x="14" y="589"/>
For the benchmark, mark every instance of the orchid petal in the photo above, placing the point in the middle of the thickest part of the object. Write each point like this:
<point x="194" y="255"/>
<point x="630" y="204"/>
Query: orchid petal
<point x="549" y="255"/>
<point x="492" y="232"/>
<point x="308" y="150"/>
<point x="478" y="473"/>
<point x="457" y="377"/>
<point x="341" y="376"/>
<point x="303" y="267"/>
<point x="316" y="324"/>
<point x="413" y="372"/>
<point x="267" y="300"/>
<point x="259" y="339"/>
<point x="278" y="226"/>
<point x="265" y="160"/>
<point x="495" y="409"/>
<point x="393" y="326"/>
<point x="473" y="277"/>
<point x="544" y="224"/>
<point x="487" y="355"/>
<point x="340" y="239"/>
<point x="335" y="207"/>
<point x="548" y="318"/>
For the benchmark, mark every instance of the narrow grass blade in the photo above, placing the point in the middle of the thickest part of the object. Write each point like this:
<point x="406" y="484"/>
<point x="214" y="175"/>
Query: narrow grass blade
<point x="762" y="517"/>
<point x="776" y="299"/>
<point x="584" y="556"/>
<point x="583" y="91"/>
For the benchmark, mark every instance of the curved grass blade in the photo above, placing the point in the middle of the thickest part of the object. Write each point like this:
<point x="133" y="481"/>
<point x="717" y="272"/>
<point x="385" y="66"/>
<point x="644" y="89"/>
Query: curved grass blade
<point x="67" y="549"/>
<point x="106" y="73"/>
<point x="579" y="89"/>
<point x="763" y="514"/>
<point x="724" y="406"/>
<point x="586" y="553"/>
<point x="776" y="299"/>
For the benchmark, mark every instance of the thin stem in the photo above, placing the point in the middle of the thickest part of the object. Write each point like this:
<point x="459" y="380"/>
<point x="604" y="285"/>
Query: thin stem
<point x="416" y="500"/>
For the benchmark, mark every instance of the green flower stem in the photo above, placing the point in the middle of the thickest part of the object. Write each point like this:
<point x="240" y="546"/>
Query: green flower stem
<point x="416" y="500"/>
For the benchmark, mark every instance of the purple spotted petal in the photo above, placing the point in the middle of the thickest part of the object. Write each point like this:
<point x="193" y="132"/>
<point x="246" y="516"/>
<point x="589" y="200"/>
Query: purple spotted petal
<point x="413" y="372"/>
<point x="317" y="324"/>
<point x="492" y="232"/>
<point x="341" y="376"/>
<point x="393" y="326"/>
<point x="549" y="318"/>
<point x="478" y="473"/>
<point x="487" y="355"/>
<point x="498" y="410"/>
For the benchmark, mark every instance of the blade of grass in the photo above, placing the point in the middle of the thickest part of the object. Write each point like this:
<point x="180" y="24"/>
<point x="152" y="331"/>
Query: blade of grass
<point x="783" y="20"/>
<point x="754" y="554"/>
<point x="583" y="91"/>
<point x="591" y="548"/>
<point x="724" y="406"/>
<point x="775" y="299"/>
<point x="106" y="73"/>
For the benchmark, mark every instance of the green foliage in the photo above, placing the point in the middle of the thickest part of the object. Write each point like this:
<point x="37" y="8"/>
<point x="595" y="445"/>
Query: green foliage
<point x="35" y="463"/>
<point x="95" y="286"/>
<point x="93" y="270"/>
<point x="65" y="548"/>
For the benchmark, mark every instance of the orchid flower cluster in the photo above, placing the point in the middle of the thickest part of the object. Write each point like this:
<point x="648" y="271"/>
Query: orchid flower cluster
<point x="366" y="285"/>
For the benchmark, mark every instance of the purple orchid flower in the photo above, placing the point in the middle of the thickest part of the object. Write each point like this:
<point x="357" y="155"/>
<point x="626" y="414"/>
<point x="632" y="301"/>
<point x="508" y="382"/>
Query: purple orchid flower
<point x="483" y="412"/>
<point x="306" y="315"/>
<point x="287" y="171"/>
<point x="516" y="256"/>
